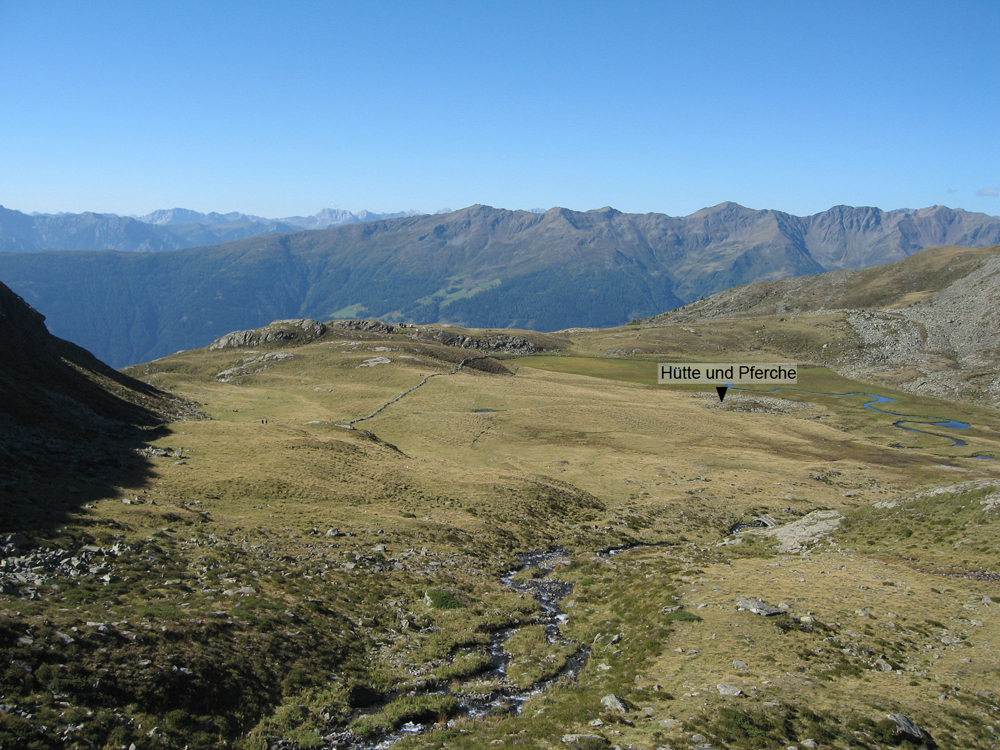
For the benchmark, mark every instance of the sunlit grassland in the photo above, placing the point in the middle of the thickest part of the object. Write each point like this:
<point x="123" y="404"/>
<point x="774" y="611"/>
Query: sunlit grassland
<point x="820" y="386"/>
<point x="470" y="469"/>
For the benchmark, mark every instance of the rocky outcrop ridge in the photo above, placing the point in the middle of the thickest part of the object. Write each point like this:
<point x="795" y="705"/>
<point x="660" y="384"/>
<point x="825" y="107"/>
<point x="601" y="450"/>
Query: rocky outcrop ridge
<point x="503" y="343"/>
<point x="301" y="331"/>
<point x="367" y="326"/>
<point x="951" y="339"/>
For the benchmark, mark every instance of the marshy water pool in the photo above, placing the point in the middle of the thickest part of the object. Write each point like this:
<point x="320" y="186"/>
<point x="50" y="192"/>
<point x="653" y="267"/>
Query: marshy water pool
<point x="950" y="424"/>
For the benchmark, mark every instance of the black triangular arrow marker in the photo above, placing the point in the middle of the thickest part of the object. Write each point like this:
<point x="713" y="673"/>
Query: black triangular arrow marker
<point x="722" y="392"/>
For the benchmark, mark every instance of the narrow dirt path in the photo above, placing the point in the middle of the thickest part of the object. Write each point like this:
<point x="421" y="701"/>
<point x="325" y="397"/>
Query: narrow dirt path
<point x="461" y="364"/>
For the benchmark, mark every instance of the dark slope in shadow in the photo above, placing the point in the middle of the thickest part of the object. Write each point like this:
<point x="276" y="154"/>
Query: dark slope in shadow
<point x="70" y="426"/>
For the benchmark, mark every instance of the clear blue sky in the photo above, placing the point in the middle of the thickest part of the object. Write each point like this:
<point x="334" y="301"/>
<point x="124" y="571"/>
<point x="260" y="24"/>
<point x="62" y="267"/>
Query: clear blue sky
<point x="280" y="108"/>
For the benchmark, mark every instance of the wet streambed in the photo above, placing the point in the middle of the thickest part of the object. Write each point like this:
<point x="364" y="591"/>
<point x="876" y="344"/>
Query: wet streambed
<point x="506" y="698"/>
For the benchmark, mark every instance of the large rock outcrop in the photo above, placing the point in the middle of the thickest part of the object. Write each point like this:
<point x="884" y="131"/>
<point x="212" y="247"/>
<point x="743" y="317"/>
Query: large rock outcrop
<point x="300" y="331"/>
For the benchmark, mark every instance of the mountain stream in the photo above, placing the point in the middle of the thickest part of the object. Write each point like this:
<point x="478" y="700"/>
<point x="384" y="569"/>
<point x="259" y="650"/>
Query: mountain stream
<point x="906" y="419"/>
<point x="549" y="592"/>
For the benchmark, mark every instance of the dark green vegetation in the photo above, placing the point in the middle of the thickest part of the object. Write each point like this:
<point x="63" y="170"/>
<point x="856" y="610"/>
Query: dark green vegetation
<point x="476" y="267"/>
<point x="146" y="650"/>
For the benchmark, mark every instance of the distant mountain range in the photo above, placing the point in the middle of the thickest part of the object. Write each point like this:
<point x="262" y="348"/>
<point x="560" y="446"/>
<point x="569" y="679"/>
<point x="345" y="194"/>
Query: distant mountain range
<point x="166" y="229"/>
<point x="328" y="217"/>
<point x="479" y="266"/>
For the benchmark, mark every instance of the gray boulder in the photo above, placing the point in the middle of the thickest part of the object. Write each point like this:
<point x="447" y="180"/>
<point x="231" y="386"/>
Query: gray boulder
<point x="796" y="536"/>
<point x="17" y="541"/>
<point x="616" y="703"/>
<point x="907" y="727"/>
<point x="494" y="342"/>
<point x="367" y="326"/>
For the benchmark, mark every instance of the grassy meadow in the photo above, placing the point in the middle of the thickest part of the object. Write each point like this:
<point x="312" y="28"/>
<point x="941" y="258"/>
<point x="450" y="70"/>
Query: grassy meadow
<point x="299" y="579"/>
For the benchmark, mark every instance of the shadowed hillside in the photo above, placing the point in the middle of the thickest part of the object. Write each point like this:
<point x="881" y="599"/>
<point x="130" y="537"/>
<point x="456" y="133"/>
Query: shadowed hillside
<point x="70" y="424"/>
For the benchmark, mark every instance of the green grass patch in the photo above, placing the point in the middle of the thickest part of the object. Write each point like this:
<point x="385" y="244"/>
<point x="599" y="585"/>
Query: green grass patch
<point x="533" y="658"/>
<point x="441" y="599"/>
<point x="942" y="530"/>
<point x="419" y="708"/>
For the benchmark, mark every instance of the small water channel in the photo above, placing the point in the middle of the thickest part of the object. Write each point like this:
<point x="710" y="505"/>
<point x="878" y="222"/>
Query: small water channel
<point x="548" y="592"/>
<point x="906" y="419"/>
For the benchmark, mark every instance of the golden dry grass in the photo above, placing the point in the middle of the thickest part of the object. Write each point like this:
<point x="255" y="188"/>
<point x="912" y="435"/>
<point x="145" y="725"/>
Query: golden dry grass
<point x="473" y="467"/>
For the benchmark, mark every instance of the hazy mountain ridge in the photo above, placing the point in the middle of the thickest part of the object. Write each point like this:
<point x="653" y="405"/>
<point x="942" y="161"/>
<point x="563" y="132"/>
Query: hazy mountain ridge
<point x="335" y="217"/>
<point x="21" y="233"/>
<point x="324" y="219"/>
<point x="479" y="266"/>
<point x="841" y="237"/>
<point x="165" y="229"/>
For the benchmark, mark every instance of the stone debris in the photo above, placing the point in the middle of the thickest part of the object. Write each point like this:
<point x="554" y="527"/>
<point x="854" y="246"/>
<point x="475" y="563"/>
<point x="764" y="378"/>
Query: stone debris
<point x="957" y="319"/>
<point x="795" y="536"/>
<point x="24" y="567"/>
<point x="991" y="501"/>
<point x="586" y="741"/>
<point x="758" y="607"/>
<point x="735" y="692"/>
